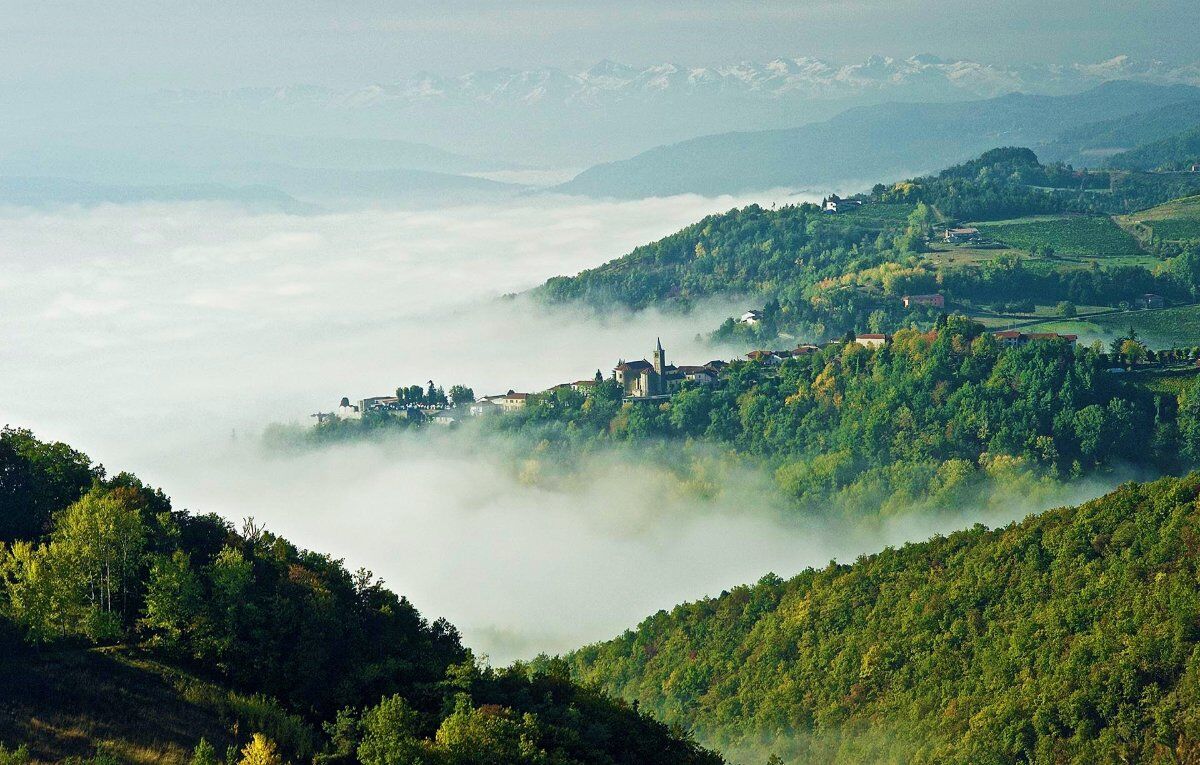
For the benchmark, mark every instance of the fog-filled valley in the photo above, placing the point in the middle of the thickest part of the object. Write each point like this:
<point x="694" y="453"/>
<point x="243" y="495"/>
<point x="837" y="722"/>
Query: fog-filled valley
<point x="707" y="383"/>
<point x="163" y="339"/>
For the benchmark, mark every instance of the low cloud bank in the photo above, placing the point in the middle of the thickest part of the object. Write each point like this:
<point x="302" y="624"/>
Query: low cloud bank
<point x="163" y="339"/>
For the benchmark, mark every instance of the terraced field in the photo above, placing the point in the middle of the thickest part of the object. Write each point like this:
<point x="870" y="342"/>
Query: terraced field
<point x="1177" y="327"/>
<point x="1074" y="237"/>
<point x="1176" y="220"/>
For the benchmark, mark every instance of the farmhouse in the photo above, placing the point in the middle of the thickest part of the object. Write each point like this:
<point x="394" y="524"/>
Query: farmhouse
<point x="937" y="301"/>
<point x="834" y="204"/>
<point x="485" y="406"/>
<point x="751" y="318"/>
<point x="956" y="235"/>
<point x="873" y="340"/>
<point x="512" y="401"/>
<point x="701" y="375"/>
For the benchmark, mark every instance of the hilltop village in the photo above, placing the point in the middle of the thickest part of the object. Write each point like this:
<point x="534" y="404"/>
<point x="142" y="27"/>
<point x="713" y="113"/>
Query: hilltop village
<point x="640" y="380"/>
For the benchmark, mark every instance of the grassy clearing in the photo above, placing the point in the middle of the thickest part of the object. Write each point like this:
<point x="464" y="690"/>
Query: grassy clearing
<point x="1075" y="236"/>
<point x="1164" y="328"/>
<point x="1176" y="220"/>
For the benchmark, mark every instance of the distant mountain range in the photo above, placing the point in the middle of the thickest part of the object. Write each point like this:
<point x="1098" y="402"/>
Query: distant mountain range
<point x="654" y="130"/>
<point x="559" y="117"/>
<point x="894" y="140"/>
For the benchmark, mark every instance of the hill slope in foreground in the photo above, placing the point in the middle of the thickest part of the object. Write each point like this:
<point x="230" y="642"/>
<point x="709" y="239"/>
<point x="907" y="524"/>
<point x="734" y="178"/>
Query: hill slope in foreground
<point x="1073" y="636"/>
<point x="66" y="704"/>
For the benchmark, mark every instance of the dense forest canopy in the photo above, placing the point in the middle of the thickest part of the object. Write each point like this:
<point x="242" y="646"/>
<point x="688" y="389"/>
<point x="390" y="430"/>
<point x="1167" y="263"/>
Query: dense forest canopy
<point x="932" y="420"/>
<point x="89" y="559"/>
<point x="1073" y="636"/>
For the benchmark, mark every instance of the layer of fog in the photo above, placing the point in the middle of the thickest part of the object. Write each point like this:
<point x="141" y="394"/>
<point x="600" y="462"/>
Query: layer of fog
<point x="163" y="339"/>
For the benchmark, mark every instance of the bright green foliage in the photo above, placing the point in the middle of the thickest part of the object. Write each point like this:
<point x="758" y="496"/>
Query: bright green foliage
<point x="1073" y="636"/>
<point x="390" y="735"/>
<point x="490" y="736"/>
<point x="83" y="580"/>
<point x="930" y="420"/>
<point x="18" y="756"/>
<point x="204" y="754"/>
<point x="174" y="597"/>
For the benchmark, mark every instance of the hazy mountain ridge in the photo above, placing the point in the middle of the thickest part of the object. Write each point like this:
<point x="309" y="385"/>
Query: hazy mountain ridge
<point x="779" y="78"/>
<point x="882" y="141"/>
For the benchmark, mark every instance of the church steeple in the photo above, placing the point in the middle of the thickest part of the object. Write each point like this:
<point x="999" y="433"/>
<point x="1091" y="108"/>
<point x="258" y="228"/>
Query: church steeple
<point x="660" y="359"/>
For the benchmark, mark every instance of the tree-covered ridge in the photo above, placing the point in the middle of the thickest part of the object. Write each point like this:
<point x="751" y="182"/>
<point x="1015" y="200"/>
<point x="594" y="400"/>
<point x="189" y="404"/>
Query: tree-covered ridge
<point x="932" y="419"/>
<point x="112" y="563"/>
<point x="1073" y="636"/>
<point x="1179" y="152"/>
<point x="831" y="273"/>
<point x="749" y="250"/>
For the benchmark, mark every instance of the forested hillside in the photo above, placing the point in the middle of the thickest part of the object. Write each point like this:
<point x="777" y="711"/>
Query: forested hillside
<point x="934" y="420"/>
<point x="826" y="274"/>
<point x="286" y="642"/>
<point x="1073" y="636"/>
<point x="1177" y="152"/>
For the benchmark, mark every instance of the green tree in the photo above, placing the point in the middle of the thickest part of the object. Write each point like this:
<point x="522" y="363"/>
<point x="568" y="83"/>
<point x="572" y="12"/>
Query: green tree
<point x="204" y="754"/>
<point x="174" y="597"/>
<point x="389" y="735"/>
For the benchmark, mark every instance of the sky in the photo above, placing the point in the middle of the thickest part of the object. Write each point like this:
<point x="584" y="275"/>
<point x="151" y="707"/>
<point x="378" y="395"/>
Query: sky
<point x="221" y="44"/>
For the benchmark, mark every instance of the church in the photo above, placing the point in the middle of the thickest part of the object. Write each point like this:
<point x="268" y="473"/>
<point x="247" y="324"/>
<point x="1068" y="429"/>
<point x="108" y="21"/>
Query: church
<point x="646" y="379"/>
<point x="643" y="379"/>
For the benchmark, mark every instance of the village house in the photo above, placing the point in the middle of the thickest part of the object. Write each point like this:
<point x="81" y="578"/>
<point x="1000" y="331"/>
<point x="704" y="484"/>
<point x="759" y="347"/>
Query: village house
<point x="873" y="340"/>
<point x="834" y="204"/>
<point x="699" y="375"/>
<point x="485" y="406"/>
<point x="1150" y="300"/>
<point x="448" y="417"/>
<point x="936" y="300"/>
<point x="751" y="318"/>
<point x="957" y="235"/>
<point x="512" y="401"/>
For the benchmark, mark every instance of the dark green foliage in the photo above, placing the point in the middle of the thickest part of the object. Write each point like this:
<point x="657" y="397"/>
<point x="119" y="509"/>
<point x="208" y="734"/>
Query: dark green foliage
<point x="37" y="478"/>
<point x="750" y="250"/>
<point x="1073" y="636"/>
<point x="249" y="609"/>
